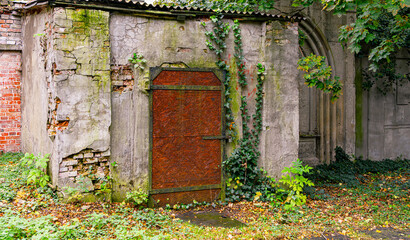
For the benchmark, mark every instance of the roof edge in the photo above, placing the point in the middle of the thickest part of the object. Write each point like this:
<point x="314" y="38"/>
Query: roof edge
<point x="159" y="10"/>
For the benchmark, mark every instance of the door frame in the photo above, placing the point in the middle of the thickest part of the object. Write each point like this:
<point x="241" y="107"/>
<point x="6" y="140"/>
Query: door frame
<point x="154" y="72"/>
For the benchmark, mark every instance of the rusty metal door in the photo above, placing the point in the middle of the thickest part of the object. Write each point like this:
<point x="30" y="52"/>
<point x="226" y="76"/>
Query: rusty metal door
<point x="186" y="130"/>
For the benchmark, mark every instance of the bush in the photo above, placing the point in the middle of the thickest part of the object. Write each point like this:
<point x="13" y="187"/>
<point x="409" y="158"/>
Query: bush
<point x="137" y="197"/>
<point x="36" y="169"/>
<point x="295" y="181"/>
<point x="349" y="171"/>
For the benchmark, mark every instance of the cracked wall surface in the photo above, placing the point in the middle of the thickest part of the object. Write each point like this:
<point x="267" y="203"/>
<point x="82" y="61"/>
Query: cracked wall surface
<point x="81" y="80"/>
<point x="73" y="75"/>
<point x="93" y="106"/>
<point x="167" y="43"/>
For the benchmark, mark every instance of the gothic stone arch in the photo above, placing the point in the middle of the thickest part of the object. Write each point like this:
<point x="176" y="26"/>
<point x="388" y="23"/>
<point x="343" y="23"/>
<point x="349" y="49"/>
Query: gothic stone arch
<point x="317" y="115"/>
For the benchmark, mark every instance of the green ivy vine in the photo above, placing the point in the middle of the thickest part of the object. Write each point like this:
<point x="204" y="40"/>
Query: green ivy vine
<point x="244" y="179"/>
<point x="216" y="43"/>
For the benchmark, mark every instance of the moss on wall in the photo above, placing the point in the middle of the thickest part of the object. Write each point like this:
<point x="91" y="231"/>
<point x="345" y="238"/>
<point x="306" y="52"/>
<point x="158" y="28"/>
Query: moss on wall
<point x="359" y="107"/>
<point x="82" y="50"/>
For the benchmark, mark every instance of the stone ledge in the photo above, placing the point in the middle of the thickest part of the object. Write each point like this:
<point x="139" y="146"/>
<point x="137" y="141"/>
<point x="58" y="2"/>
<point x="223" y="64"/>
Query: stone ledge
<point x="10" y="47"/>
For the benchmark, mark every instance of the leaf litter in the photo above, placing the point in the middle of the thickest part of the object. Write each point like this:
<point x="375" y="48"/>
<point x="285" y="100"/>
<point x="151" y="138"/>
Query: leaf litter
<point x="377" y="208"/>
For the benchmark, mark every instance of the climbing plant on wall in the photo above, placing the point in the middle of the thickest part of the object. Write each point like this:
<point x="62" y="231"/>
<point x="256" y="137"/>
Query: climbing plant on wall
<point x="381" y="29"/>
<point x="244" y="178"/>
<point x="216" y="43"/>
<point x="331" y="85"/>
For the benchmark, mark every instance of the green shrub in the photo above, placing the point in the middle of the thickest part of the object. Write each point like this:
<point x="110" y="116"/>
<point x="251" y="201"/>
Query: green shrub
<point x="137" y="197"/>
<point x="36" y="169"/>
<point x="295" y="181"/>
<point x="350" y="171"/>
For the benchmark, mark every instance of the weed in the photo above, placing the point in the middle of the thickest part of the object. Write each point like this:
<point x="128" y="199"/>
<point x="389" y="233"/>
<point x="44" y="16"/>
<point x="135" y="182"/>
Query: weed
<point x="13" y="226"/>
<point x="73" y="230"/>
<point x="137" y="197"/>
<point x="114" y="164"/>
<point x="150" y="218"/>
<point x="138" y="61"/>
<point x="36" y="169"/>
<point x="295" y="181"/>
<point x="10" y="176"/>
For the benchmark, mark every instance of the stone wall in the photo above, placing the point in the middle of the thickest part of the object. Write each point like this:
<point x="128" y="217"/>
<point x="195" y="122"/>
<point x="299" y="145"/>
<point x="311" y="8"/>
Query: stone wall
<point x="170" y="42"/>
<point x="325" y="125"/>
<point x="10" y="74"/>
<point x="67" y="106"/>
<point x="10" y="25"/>
<point x="383" y="121"/>
<point x="10" y="116"/>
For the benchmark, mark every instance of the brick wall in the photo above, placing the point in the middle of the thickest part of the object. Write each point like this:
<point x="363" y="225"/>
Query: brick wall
<point x="10" y="25"/>
<point x="10" y="73"/>
<point x="10" y="64"/>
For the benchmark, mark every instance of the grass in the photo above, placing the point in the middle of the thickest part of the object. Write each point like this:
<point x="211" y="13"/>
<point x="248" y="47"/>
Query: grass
<point x="10" y="176"/>
<point x="376" y="200"/>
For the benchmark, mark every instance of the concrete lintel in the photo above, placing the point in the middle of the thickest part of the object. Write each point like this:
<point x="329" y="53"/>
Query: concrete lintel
<point x="10" y="47"/>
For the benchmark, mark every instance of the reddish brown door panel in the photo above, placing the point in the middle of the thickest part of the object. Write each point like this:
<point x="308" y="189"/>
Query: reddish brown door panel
<point x="181" y="158"/>
<point x="187" y="197"/>
<point x="169" y="77"/>
<point x="186" y="113"/>
<point x="183" y="162"/>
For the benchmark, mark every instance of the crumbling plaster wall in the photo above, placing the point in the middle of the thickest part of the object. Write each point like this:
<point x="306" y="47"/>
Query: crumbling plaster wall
<point x="67" y="92"/>
<point x="81" y="76"/>
<point x="163" y="41"/>
<point x="73" y="57"/>
<point x="10" y="77"/>
<point x="82" y="90"/>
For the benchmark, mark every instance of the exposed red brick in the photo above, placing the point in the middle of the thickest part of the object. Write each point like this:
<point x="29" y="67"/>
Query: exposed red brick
<point x="10" y="115"/>
<point x="122" y="78"/>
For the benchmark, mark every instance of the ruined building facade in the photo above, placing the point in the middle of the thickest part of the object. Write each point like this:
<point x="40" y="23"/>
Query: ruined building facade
<point x="68" y="90"/>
